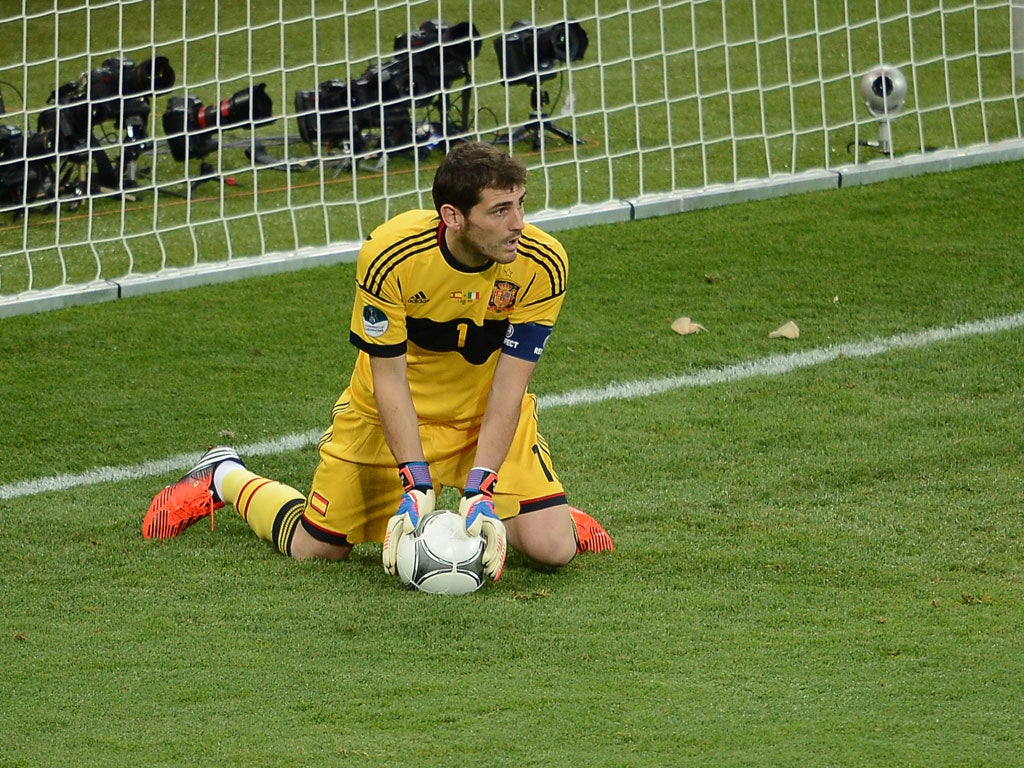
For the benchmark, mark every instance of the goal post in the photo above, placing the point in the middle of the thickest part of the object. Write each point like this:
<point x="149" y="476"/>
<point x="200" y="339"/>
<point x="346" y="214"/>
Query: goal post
<point x="1017" y="37"/>
<point x="152" y="146"/>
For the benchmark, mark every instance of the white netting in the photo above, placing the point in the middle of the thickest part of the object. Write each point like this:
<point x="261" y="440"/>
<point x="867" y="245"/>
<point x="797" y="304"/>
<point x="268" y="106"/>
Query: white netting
<point x="289" y="130"/>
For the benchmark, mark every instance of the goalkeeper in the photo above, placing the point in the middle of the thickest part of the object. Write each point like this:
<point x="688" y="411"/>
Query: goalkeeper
<point x="451" y="313"/>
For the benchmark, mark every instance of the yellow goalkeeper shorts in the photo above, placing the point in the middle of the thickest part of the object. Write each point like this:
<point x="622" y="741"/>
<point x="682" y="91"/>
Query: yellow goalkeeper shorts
<point x="356" y="487"/>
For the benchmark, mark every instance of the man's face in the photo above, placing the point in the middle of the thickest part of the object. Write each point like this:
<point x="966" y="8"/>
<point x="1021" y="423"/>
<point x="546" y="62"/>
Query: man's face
<point x="490" y="233"/>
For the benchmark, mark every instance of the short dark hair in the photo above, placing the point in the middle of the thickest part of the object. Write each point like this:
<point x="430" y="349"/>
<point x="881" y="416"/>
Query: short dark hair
<point x="471" y="167"/>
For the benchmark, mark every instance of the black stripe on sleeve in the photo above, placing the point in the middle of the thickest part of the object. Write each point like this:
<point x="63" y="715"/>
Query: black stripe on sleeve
<point x="549" y="260"/>
<point x="376" y="350"/>
<point x="385" y="261"/>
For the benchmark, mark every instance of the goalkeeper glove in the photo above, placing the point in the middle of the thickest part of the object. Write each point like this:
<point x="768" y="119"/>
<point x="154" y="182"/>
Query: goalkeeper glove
<point x="477" y="510"/>
<point x="417" y="502"/>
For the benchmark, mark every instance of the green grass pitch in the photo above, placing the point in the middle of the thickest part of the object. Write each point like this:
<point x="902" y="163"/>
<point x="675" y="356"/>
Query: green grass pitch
<point x="818" y="565"/>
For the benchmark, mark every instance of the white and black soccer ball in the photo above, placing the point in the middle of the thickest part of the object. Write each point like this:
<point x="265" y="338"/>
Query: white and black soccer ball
<point x="440" y="557"/>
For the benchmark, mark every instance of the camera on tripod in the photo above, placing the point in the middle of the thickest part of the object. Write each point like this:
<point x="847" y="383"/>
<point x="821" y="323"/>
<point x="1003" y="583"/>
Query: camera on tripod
<point x="191" y="126"/>
<point x="26" y="166"/>
<point x="377" y="108"/>
<point x="339" y="112"/>
<point x="119" y="91"/>
<point x="530" y="56"/>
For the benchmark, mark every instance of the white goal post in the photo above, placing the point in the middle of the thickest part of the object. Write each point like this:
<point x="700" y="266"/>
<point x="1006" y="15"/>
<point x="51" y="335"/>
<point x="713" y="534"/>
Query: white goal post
<point x="147" y="146"/>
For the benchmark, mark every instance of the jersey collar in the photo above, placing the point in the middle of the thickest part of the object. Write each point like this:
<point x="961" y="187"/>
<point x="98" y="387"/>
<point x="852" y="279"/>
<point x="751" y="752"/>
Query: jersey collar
<point x="449" y="257"/>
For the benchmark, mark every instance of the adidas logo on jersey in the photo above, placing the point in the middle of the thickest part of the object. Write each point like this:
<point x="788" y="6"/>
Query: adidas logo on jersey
<point x="418" y="298"/>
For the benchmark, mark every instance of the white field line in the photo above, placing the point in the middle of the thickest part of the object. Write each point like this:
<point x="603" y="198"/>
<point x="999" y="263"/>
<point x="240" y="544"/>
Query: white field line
<point x="774" y="365"/>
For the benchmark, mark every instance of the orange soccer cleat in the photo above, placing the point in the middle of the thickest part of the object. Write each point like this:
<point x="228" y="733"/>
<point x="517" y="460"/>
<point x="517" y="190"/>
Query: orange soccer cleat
<point x="590" y="536"/>
<point x="187" y="501"/>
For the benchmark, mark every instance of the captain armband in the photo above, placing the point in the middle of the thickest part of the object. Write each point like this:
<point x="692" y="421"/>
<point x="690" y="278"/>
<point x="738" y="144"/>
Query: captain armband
<point x="526" y="340"/>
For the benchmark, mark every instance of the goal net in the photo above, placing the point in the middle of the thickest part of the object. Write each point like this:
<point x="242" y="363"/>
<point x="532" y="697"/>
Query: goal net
<point x="147" y="146"/>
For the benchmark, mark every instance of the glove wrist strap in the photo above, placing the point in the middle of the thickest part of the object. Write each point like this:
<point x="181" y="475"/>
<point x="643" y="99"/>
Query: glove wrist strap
<point x="415" y="475"/>
<point x="481" y="480"/>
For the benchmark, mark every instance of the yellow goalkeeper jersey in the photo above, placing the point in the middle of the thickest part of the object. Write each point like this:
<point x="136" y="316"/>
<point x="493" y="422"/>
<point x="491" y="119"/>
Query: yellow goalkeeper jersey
<point x="414" y="298"/>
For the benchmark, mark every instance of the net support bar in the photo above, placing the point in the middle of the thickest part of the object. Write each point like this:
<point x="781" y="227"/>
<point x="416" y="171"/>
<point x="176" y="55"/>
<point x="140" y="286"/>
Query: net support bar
<point x="643" y="207"/>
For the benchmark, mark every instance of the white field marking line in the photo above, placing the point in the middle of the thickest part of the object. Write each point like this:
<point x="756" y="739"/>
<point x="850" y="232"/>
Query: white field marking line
<point x="775" y="365"/>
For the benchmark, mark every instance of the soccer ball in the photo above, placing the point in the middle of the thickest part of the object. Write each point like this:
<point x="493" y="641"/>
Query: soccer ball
<point x="439" y="557"/>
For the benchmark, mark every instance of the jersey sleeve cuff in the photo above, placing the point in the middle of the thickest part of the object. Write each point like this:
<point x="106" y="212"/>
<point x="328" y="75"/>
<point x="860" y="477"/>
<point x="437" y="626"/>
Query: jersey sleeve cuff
<point x="376" y="350"/>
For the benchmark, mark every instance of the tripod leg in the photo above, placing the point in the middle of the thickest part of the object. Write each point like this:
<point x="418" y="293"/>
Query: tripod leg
<point x="535" y="130"/>
<point x="566" y="136"/>
<point x="529" y="131"/>
<point x="206" y="174"/>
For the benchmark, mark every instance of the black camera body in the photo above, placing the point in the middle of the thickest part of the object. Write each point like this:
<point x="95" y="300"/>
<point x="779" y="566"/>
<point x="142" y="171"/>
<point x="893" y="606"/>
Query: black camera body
<point x="112" y="87"/>
<point x="528" y="54"/>
<point x="69" y="120"/>
<point x="438" y="54"/>
<point x="382" y="99"/>
<point x="123" y="77"/>
<point x="338" y="111"/>
<point x="26" y="165"/>
<point x="191" y="126"/>
<point x="118" y="90"/>
<point x="181" y="124"/>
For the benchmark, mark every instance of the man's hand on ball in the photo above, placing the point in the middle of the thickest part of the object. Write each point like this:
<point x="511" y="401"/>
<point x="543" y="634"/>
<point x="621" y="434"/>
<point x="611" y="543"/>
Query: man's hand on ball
<point x="481" y="519"/>
<point x="417" y="502"/>
<point x="477" y="510"/>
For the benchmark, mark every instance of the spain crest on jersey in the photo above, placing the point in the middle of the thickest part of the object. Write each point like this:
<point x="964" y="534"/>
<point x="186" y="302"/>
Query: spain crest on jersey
<point x="503" y="296"/>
